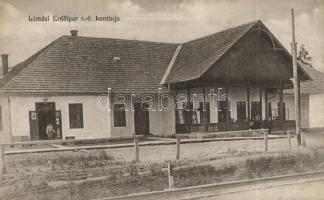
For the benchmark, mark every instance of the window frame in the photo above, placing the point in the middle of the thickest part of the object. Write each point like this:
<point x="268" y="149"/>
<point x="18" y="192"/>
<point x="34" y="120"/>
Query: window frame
<point x="224" y="107"/>
<point x="120" y="113"/>
<point x="202" y="111"/>
<point x="72" y="125"/>
<point x="256" y="106"/>
<point x="181" y="110"/>
<point x="284" y="110"/>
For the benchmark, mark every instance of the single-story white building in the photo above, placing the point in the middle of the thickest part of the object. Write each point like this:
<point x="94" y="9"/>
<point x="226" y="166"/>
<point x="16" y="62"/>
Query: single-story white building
<point x="89" y="87"/>
<point x="311" y="100"/>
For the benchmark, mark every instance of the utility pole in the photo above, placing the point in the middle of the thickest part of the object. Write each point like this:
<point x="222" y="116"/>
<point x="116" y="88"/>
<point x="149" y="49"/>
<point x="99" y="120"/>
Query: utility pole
<point x="296" y="81"/>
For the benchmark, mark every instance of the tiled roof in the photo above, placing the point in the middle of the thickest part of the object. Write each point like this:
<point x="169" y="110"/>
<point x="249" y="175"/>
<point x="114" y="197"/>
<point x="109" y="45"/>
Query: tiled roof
<point x="90" y="65"/>
<point x="18" y="68"/>
<point x="314" y="86"/>
<point x="197" y="56"/>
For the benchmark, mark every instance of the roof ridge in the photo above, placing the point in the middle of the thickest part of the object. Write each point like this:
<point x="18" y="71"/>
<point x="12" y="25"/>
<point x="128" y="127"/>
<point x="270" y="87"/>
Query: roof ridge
<point x="223" y="30"/>
<point x="131" y="40"/>
<point x="172" y="43"/>
<point x="173" y="59"/>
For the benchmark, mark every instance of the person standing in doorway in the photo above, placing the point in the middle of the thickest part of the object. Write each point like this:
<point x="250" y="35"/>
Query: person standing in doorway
<point x="50" y="131"/>
<point x="57" y="129"/>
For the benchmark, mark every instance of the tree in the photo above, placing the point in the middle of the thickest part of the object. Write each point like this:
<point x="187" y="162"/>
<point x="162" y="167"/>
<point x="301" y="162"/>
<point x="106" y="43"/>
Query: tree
<point x="304" y="57"/>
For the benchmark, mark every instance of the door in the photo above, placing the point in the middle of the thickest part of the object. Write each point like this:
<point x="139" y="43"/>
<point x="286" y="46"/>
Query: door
<point x="33" y="124"/>
<point x="46" y="116"/>
<point x="241" y="111"/>
<point x="256" y="110"/>
<point x="141" y="119"/>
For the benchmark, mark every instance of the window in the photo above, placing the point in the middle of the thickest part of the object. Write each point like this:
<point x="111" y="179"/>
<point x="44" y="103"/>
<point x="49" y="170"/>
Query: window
<point x="287" y="114"/>
<point x="195" y="117"/>
<point x="76" y="115"/>
<point x="224" y="111"/>
<point x="186" y="114"/>
<point x="119" y="115"/>
<point x="181" y="113"/>
<point x="283" y="107"/>
<point x="181" y="116"/>
<point x="195" y="114"/>
<point x="207" y="110"/>
<point x="0" y="118"/>
<point x="274" y="114"/>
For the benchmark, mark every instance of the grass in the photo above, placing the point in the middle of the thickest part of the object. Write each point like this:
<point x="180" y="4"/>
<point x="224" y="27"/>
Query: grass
<point x="198" y="174"/>
<point x="129" y="177"/>
<point x="98" y="173"/>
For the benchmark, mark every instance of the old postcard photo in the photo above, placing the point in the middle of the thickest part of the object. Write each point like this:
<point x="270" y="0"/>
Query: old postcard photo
<point x="161" y="99"/>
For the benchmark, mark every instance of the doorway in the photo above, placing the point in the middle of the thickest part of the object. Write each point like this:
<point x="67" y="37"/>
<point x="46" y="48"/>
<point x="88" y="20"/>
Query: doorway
<point x="141" y="119"/>
<point x="44" y="116"/>
<point x="241" y="111"/>
<point x="256" y="111"/>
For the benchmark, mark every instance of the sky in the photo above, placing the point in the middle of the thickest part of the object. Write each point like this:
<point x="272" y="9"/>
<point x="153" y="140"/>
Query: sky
<point x="157" y="20"/>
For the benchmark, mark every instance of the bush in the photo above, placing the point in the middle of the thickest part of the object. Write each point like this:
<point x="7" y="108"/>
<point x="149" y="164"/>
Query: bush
<point x="259" y="166"/>
<point x="104" y="156"/>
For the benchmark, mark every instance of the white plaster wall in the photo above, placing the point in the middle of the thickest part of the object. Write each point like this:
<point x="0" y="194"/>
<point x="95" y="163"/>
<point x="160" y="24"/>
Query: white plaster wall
<point x="168" y="119"/>
<point x="5" y="136"/>
<point x="127" y="130"/>
<point x="304" y="107"/>
<point x="161" y="122"/>
<point x="156" y="122"/>
<point x="96" y="120"/>
<point x="316" y="110"/>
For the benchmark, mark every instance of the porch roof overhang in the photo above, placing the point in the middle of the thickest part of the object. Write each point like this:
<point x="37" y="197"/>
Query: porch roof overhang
<point x="197" y="83"/>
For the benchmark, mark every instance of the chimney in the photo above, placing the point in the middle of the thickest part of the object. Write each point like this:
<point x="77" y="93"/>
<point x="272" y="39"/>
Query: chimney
<point x="74" y="33"/>
<point x="5" y="67"/>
